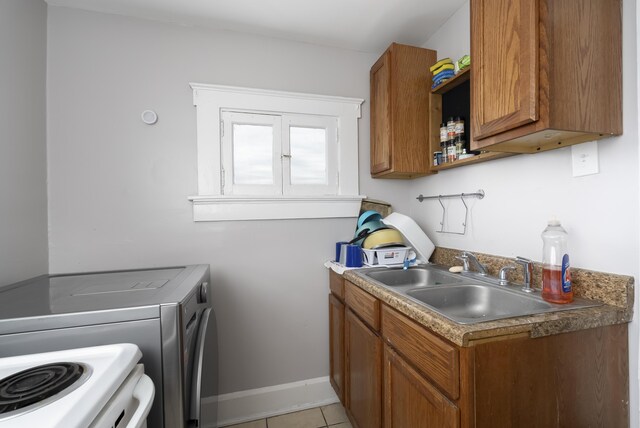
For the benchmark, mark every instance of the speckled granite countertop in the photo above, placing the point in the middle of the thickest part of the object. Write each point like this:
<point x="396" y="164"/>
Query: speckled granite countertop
<point x="614" y="291"/>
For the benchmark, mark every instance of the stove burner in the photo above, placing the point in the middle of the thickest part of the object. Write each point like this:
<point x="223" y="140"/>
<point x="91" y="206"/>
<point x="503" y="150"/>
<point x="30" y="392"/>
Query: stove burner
<point x="36" y="384"/>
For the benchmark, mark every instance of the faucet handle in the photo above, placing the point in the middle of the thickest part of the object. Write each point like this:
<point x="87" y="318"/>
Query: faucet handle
<point x="466" y="254"/>
<point x="464" y="258"/>
<point x="503" y="274"/>
<point x="467" y="257"/>
<point x="522" y="260"/>
<point x="527" y="265"/>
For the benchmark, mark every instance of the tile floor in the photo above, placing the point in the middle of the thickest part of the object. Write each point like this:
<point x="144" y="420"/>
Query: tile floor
<point x="332" y="416"/>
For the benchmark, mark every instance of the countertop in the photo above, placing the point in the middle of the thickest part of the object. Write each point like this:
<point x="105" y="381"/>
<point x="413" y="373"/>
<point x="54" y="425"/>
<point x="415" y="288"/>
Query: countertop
<point x="614" y="291"/>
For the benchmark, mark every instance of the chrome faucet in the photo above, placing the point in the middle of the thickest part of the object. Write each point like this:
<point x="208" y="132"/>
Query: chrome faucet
<point x="527" y="265"/>
<point x="502" y="276"/>
<point x="466" y="256"/>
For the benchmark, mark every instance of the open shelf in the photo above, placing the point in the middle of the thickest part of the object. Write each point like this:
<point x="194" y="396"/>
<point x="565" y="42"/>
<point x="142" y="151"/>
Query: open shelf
<point x="482" y="157"/>
<point x="456" y="80"/>
<point x="450" y="99"/>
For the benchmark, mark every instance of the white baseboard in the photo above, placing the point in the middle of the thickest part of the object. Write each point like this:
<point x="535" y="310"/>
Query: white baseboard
<point x="259" y="403"/>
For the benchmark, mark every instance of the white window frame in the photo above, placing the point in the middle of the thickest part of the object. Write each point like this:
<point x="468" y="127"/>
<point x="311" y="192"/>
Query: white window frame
<point x="281" y="124"/>
<point x="330" y="125"/>
<point x="229" y="118"/>
<point x="211" y="204"/>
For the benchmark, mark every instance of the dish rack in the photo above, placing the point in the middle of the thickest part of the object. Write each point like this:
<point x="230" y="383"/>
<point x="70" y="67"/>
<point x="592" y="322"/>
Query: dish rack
<point x="385" y="256"/>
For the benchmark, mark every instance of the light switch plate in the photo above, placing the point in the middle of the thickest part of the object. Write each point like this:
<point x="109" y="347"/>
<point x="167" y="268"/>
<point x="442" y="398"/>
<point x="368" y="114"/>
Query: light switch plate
<point x="584" y="159"/>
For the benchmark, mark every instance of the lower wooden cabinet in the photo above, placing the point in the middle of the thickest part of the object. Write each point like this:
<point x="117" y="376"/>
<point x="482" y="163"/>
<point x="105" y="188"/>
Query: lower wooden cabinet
<point x="577" y="379"/>
<point x="363" y="399"/>
<point x="410" y="400"/>
<point x="336" y="345"/>
<point x="434" y="357"/>
<point x="390" y="371"/>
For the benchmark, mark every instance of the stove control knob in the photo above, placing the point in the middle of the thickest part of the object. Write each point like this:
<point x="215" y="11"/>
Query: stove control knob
<point x="204" y="289"/>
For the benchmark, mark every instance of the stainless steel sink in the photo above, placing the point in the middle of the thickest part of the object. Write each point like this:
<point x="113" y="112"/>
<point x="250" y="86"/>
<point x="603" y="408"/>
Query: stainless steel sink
<point x="475" y="302"/>
<point x="464" y="298"/>
<point x="413" y="277"/>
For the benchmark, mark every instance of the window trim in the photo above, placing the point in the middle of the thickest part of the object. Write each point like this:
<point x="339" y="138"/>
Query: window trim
<point x="231" y="118"/>
<point x="330" y="126"/>
<point x="211" y="205"/>
<point x="225" y="208"/>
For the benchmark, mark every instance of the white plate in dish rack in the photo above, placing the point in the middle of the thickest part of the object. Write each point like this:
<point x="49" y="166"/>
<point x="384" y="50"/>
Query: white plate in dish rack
<point x="412" y="233"/>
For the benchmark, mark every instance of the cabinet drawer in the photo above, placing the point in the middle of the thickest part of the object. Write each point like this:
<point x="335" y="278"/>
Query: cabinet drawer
<point x="336" y="284"/>
<point x="411" y="401"/>
<point x="364" y="305"/>
<point x="435" y="358"/>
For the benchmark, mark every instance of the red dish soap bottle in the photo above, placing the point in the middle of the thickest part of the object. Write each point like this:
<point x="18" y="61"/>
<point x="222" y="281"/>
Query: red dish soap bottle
<point x="556" y="273"/>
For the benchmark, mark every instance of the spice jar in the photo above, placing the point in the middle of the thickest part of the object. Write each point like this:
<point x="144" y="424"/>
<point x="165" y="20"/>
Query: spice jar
<point x="451" y="151"/>
<point x="458" y="126"/>
<point x="451" y="128"/>
<point x="444" y="136"/>
<point x="444" y="157"/>
<point x="459" y="146"/>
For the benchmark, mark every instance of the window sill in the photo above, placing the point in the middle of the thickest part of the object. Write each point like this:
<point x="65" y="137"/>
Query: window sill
<point x="225" y="208"/>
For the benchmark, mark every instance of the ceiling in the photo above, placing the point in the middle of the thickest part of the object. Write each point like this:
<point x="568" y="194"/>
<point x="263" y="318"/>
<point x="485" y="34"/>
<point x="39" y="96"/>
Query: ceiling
<point x="362" y="25"/>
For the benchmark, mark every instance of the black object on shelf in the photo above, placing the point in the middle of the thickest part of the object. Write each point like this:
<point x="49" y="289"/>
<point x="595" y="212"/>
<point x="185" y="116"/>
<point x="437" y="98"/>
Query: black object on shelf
<point x="457" y="102"/>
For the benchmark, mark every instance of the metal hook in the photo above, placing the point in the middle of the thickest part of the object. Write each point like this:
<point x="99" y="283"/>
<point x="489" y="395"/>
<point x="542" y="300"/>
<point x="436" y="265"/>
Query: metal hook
<point x="444" y="210"/>
<point x="479" y="194"/>
<point x="466" y="212"/>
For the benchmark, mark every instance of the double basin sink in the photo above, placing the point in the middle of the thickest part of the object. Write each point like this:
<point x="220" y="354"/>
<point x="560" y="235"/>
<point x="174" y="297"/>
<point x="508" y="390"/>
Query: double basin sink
<point x="465" y="298"/>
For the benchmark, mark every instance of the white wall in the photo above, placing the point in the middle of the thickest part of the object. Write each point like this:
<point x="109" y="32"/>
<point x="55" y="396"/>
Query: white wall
<point x="634" y="341"/>
<point x="118" y="188"/>
<point x="23" y="189"/>
<point x="600" y="211"/>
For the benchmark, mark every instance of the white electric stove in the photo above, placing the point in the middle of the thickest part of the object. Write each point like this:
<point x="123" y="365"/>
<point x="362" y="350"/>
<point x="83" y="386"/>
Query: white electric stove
<point x="96" y="387"/>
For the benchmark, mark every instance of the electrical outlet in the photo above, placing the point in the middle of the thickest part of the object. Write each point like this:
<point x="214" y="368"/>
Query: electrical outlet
<point x="584" y="159"/>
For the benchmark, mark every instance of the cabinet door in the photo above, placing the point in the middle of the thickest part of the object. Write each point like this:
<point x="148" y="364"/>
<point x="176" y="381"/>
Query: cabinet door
<point x="411" y="401"/>
<point x="336" y="345"/>
<point x="381" y="141"/>
<point x="364" y="373"/>
<point x="504" y="62"/>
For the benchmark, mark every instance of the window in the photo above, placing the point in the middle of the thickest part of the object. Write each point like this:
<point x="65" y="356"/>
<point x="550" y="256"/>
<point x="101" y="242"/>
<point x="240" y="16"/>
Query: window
<point x="251" y="154"/>
<point x="278" y="154"/>
<point x="270" y="154"/>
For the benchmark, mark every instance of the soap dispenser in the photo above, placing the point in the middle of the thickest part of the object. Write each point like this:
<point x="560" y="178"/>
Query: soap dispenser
<point x="556" y="272"/>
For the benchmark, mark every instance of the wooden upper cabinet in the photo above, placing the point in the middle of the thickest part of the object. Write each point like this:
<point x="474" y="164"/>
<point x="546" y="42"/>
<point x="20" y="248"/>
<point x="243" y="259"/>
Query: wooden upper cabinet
<point x="507" y="62"/>
<point x="381" y="115"/>
<point x="400" y="87"/>
<point x="545" y="73"/>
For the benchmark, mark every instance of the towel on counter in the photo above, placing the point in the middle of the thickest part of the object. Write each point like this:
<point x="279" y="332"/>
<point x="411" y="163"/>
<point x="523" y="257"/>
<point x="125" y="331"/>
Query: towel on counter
<point x="340" y="268"/>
